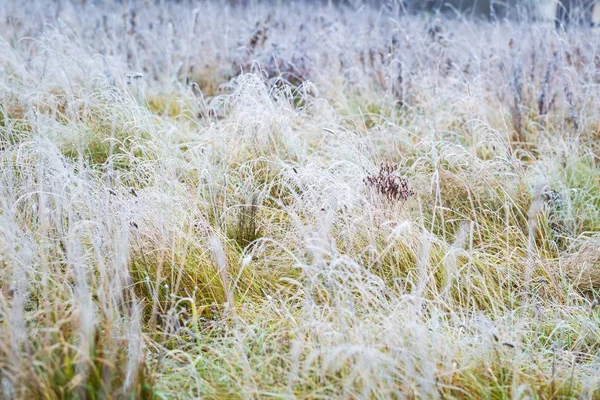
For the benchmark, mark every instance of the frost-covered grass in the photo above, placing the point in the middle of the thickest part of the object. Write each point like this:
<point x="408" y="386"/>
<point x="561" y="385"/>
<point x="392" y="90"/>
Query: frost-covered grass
<point x="200" y="200"/>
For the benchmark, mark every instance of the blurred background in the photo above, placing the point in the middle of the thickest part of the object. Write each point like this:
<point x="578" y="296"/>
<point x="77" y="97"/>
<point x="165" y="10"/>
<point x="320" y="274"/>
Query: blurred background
<point x="561" y="10"/>
<point x="564" y="11"/>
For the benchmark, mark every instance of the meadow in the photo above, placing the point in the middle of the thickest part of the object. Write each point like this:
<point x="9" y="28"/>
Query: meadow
<point x="296" y="200"/>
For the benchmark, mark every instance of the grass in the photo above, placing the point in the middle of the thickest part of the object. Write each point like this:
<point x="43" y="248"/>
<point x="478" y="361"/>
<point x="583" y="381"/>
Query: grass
<point x="296" y="201"/>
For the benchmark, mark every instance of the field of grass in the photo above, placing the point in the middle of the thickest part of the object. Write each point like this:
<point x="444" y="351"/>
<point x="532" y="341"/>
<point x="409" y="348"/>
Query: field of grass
<point x="200" y="200"/>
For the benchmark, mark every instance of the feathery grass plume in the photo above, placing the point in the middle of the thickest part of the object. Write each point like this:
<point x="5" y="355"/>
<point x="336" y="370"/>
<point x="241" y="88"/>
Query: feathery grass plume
<point x="220" y="259"/>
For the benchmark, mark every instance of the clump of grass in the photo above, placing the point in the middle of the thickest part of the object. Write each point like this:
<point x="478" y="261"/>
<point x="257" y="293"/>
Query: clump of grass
<point x="63" y="371"/>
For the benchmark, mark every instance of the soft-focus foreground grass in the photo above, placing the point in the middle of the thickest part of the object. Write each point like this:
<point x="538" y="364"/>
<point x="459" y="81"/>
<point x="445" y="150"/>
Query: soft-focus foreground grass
<point x="296" y="201"/>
